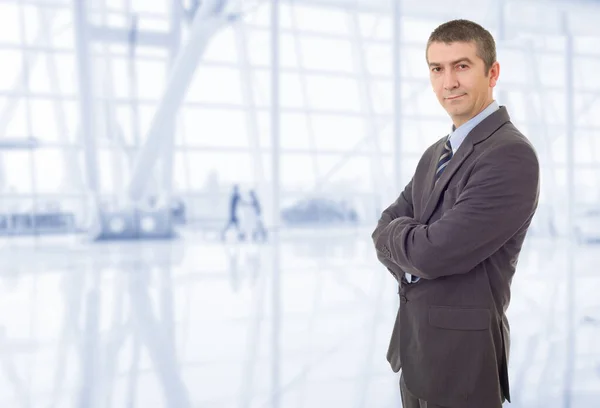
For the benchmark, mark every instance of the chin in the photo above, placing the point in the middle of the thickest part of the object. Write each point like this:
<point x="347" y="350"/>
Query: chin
<point x="457" y="113"/>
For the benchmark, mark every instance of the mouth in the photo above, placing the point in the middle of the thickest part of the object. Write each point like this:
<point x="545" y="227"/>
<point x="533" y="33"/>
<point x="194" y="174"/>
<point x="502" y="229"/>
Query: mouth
<point x="452" y="98"/>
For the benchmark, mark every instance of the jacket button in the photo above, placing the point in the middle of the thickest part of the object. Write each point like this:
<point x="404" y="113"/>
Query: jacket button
<point x="403" y="299"/>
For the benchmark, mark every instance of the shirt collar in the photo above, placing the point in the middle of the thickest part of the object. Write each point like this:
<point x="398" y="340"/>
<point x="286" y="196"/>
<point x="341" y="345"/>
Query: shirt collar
<point x="458" y="135"/>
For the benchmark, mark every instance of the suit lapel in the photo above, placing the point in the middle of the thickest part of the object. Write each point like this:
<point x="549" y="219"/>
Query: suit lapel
<point x="458" y="159"/>
<point x="430" y="177"/>
<point x="479" y="133"/>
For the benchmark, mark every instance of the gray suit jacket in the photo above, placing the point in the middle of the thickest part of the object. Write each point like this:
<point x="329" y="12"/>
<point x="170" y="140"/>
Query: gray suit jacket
<point x="462" y="237"/>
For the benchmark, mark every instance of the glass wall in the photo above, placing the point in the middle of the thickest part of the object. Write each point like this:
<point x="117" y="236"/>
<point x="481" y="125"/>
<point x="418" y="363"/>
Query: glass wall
<point x="336" y="79"/>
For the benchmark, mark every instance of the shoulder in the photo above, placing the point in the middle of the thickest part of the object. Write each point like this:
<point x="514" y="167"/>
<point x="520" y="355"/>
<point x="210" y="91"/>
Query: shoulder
<point x="508" y="138"/>
<point x="509" y="151"/>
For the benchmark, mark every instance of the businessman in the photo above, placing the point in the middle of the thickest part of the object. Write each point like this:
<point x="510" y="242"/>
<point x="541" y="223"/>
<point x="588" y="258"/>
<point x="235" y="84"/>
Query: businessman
<point x="453" y="236"/>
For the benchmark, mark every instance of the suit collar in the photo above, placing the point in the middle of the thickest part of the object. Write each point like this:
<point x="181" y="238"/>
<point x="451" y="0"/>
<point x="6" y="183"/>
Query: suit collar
<point x="459" y="134"/>
<point x="488" y="126"/>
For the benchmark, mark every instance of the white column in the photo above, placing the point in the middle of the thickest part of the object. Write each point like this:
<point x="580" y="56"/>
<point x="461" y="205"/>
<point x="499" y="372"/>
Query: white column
<point x="86" y="116"/>
<point x="571" y="194"/>
<point x="397" y="113"/>
<point x="205" y="24"/>
<point x="275" y="211"/>
<point x="171" y="127"/>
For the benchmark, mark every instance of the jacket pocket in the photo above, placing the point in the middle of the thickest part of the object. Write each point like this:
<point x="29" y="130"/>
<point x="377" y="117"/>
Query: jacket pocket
<point x="455" y="318"/>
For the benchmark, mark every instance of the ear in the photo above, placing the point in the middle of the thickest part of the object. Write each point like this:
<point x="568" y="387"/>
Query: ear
<point x="494" y="74"/>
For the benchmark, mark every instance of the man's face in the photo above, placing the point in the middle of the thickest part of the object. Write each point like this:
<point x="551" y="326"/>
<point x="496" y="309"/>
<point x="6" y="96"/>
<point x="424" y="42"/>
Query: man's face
<point x="459" y="79"/>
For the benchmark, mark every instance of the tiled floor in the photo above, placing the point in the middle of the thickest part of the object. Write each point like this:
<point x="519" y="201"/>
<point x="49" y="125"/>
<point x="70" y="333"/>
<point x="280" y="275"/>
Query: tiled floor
<point x="195" y="323"/>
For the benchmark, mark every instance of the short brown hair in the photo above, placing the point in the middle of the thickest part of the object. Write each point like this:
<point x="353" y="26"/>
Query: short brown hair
<point x="466" y="31"/>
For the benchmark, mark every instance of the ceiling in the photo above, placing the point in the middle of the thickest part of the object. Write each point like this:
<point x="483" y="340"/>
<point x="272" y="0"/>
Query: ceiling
<point x="544" y="16"/>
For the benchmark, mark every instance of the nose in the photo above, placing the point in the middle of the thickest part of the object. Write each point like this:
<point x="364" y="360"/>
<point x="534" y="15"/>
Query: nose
<point x="450" y="80"/>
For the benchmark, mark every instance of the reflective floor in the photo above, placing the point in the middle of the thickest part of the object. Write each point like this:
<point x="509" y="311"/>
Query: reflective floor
<point x="196" y="323"/>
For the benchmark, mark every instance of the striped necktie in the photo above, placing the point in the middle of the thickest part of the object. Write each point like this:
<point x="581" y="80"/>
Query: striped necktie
<point x="444" y="160"/>
<point x="442" y="163"/>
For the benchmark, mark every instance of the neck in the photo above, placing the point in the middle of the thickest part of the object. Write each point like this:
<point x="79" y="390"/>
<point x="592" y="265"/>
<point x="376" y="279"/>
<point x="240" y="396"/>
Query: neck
<point x="461" y="120"/>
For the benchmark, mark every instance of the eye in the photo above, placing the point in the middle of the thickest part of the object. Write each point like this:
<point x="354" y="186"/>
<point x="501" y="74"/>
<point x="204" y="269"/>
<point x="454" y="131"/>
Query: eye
<point x="463" y="66"/>
<point x="435" y="69"/>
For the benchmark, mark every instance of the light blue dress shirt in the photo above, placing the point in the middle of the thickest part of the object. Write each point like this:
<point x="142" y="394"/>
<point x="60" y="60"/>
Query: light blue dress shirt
<point x="457" y="136"/>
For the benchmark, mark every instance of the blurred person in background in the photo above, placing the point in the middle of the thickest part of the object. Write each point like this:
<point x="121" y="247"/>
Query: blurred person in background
<point x="258" y="228"/>
<point x="234" y="214"/>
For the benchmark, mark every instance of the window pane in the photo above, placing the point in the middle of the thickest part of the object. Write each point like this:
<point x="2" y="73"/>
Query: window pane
<point x="9" y="21"/>
<point x="33" y="24"/>
<point x="384" y="141"/>
<point x="587" y="147"/>
<point x="63" y="34"/>
<point x="295" y="131"/>
<point x="39" y="73"/>
<point x="259" y="48"/>
<point x="417" y="30"/>
<point x="151" y="6"/>
<point x="12" y="115"/>
<point x="291" y="92"/>
<point x="586" y="187"/>
<point x="223" y="47"/>
<point x="121" y="79"/>
<point x="181" y="173"/>
<point x="587" y="108"/>
<point x="146" y="114"/>
<point x="16" y="171"/>
<point x="513" y="61"/>
<point x="375" y="26"/>
<point x="125" y="123"/>
<point x="297" y="171"/>
<point x="327" y="54"/>
<point x="114" y="170"/>
<point x="215" y="127"/>
<point x="45" y="125"/>
<point x="553" y="146"/>
<point x="261" y="15"/>
<point x="419" y="135"/>
<point x="151" y="78"/>
<point x="321" y="19"/>
<point x="419" y="99"/>
<point x="264" y="128"/>
<point x="414" y="62"/>
<point x="340" y="132"/>
<point x="584" y="73"/>
<point x="51" y="174"/>
<point x="553" y="71"/>
<point x="378" y="58"/>
<point x="216" y="84"/>
<point x="338" y="94"/>
<point x="588" y="45"/>
<point x="12" y="63"/>
<point x="352" y="173"/>
<point x="229" y="166"/>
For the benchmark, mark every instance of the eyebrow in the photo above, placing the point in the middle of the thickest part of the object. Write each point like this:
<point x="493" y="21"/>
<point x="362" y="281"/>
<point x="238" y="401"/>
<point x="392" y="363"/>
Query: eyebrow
<point x="437" y="64"/>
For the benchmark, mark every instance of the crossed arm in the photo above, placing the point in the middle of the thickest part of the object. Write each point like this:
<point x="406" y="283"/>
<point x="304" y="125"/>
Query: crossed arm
<point x="500" y="197"/>
<point x="402" y="207"/>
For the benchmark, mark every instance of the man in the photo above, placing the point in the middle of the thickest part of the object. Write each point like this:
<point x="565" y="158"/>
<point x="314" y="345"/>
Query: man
<point x="258" y="229"/>
<point x="453" y="236"/>
<point x="234" y="220"/>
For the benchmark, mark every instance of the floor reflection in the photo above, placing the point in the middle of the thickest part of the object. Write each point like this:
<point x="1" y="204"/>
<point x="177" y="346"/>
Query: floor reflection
<point x="190" y="323"/>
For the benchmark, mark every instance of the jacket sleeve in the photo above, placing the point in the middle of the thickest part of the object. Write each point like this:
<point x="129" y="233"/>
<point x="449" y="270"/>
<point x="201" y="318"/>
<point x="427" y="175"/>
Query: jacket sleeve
<point x="500" y="196"/>
<point x="402" y="207"/>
